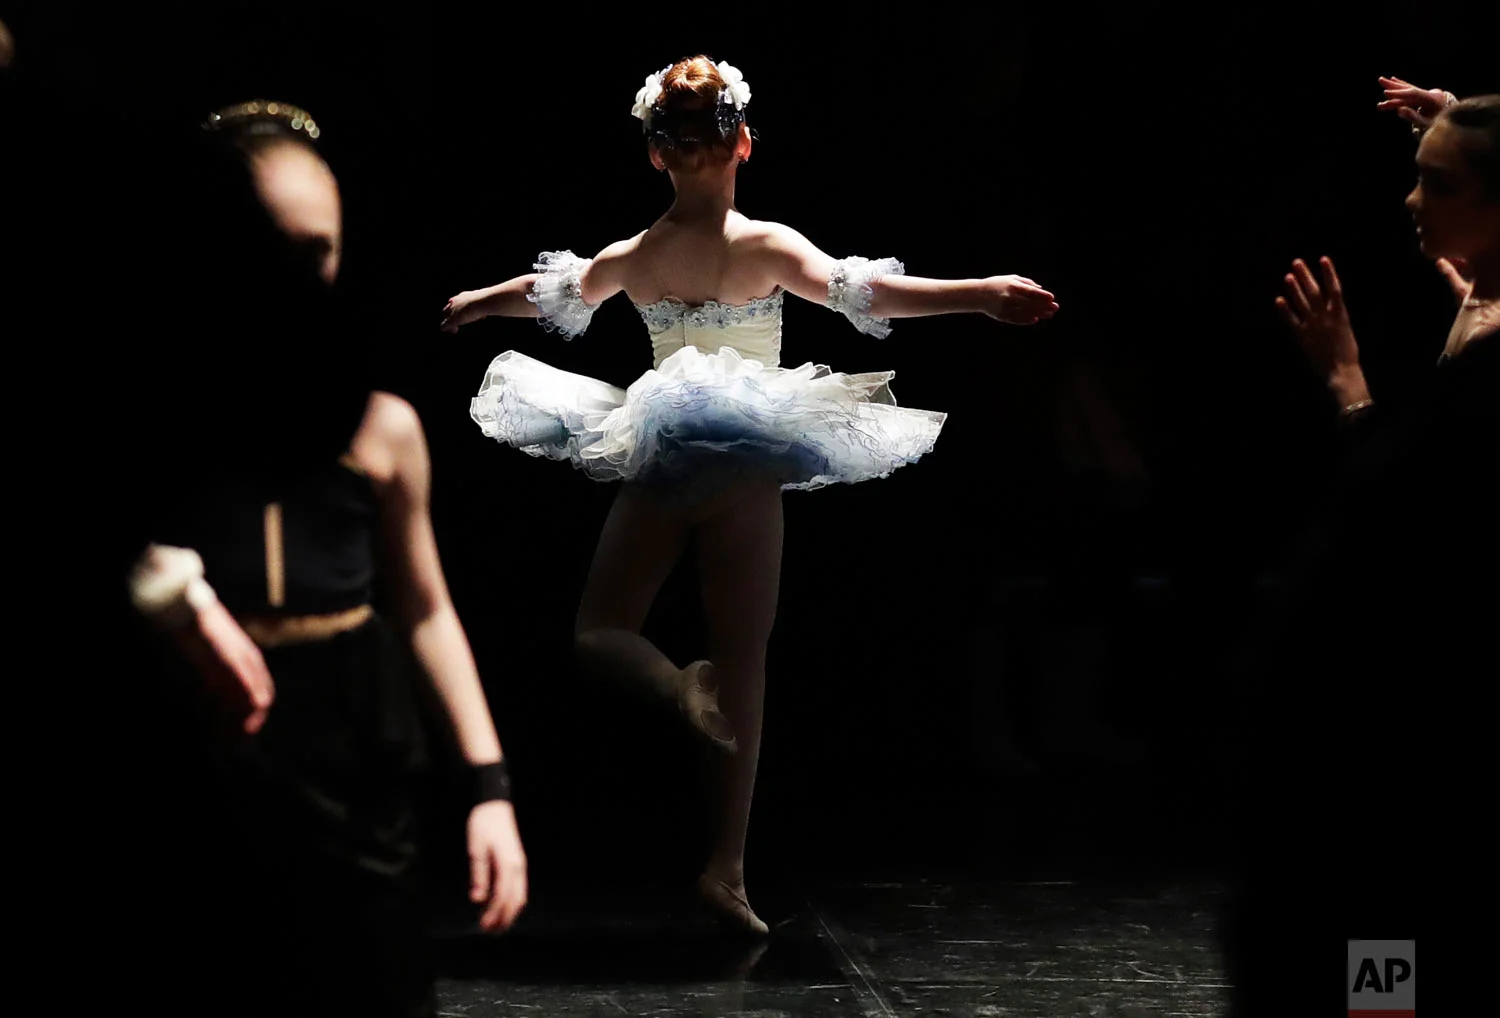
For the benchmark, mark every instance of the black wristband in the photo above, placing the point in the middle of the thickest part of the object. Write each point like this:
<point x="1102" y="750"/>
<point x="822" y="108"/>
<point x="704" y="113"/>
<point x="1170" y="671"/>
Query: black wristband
<point x="490" y="782"/>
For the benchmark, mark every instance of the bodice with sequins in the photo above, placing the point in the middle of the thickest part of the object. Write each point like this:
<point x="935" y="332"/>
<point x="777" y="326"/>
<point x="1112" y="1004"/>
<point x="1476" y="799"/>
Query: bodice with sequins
<point x="753" y="330"/>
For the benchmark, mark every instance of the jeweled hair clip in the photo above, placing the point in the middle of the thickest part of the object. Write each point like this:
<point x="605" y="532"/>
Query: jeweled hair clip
<point x="273" y="115"/>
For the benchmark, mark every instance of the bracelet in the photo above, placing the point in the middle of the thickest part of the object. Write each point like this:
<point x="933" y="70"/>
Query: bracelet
<point x="167" y="585"/>
<point x="1354" y="408"/>
<point x="490" y="782"/>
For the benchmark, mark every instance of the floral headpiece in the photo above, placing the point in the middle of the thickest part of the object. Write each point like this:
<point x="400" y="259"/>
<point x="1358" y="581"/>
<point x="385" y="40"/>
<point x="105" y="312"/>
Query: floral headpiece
<point x="659" y="126"/>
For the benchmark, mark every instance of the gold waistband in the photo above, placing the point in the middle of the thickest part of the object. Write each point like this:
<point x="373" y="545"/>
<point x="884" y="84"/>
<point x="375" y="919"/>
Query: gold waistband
<point x="274" y="631"/>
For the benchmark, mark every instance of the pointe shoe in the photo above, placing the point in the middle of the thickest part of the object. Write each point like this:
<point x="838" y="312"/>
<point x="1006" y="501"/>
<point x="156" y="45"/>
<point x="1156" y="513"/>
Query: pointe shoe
<point x="730" y="908"/>
<point x="698" y="699"/>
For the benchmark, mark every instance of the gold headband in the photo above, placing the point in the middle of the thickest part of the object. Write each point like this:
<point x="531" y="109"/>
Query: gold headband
<point x="284" y="114"/>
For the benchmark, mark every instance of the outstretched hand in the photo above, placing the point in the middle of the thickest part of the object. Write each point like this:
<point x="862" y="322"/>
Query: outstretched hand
<point x="1418" y="105"/>
<point x="461" y="310"/>
<point x="1017" y="300"/>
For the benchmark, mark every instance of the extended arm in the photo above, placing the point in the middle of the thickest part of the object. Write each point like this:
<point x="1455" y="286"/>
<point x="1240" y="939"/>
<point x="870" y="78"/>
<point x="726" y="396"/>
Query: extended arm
<point x="871" y="292"/>
<point x="563" y="291"/>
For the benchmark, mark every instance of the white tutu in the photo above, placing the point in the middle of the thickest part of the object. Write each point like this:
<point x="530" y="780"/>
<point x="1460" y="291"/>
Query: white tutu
<point x="699" y="419"/>
<point x="700" y="414"/>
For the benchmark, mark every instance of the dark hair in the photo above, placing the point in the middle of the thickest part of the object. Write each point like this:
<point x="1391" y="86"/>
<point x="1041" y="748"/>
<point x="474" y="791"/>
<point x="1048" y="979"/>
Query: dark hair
<point x="1479" y="119"/>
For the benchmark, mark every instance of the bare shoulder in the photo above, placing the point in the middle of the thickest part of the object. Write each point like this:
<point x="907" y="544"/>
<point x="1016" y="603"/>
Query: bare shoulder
<point x="390" y="441"/>
<point x="621" y="249"/>
<point x="764" y="233"/>
<point x="607" y="273"/>
<point x="763" y="237"/>
<point x="394" y="418"/>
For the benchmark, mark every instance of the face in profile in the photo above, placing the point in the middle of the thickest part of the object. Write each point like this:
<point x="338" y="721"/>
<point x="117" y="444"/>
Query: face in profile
<point x="300" y="192"/>
<point x="1455" y="216"/>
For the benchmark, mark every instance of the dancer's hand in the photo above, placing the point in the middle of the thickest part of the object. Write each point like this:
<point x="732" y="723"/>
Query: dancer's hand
<point x="1320" y="321"/>
<point x="1418" y="105"/>
<point x="1456" y="272"/>
<point x="1017" y="300"/>
<point x="497" y="865"/>
<point x="230" y="663"/>
<point x="461" y="310"/>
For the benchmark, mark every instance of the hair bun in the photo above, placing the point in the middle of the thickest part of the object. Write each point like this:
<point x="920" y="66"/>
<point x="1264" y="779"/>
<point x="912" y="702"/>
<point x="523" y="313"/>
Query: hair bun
<point x="691" y="84"/>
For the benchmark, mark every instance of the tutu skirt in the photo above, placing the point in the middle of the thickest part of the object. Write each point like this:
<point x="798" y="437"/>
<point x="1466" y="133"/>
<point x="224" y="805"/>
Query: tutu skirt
<point x="702" y="416"/>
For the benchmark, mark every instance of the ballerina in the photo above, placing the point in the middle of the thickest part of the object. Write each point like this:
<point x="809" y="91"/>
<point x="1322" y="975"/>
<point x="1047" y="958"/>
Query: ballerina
<point x="706" y="441"/>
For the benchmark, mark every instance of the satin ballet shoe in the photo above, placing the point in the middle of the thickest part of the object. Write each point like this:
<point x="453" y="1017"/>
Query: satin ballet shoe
<point x="729" y="906"/>
<point x="698" y="699"/>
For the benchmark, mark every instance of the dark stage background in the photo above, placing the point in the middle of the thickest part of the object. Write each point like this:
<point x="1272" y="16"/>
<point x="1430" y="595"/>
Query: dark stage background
<point x="1018" y="652"/>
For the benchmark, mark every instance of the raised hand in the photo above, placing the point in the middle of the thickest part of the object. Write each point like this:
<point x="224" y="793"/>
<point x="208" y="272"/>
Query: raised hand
<point x="1456" y="272"/>
<point x="1017" y="300"/>
<point x="1418" y="105"/>
<point x="1318" y="318"/>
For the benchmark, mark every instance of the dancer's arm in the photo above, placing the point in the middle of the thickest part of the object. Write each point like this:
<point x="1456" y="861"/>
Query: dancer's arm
<point x="800" y="267"/>
<point x="1419" y="106"/>
<point x="391" y="441"/>
<point x="423" y="606"/>
<point x="599" y="279"/>
<point x="503" y="300"/>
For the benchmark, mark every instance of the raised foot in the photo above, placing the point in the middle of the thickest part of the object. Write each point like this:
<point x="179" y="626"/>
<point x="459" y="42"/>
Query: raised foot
<point x="698" y="699"/>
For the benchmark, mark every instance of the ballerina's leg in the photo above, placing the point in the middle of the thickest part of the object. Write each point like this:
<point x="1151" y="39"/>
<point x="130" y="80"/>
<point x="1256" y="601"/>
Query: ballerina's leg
<point x="640" y="543"/>
<point x="739" y="553"/>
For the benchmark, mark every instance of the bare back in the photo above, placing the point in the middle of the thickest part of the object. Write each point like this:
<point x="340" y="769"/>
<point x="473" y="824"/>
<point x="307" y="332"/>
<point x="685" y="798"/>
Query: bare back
<point x="699" y="260"/>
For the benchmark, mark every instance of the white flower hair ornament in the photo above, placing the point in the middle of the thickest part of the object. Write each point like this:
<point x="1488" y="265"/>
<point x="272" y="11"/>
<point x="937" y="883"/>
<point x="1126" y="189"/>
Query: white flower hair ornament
<point x="736" y="88"/>
<point x="686" y="127"/>
<point x="650" y="92"/>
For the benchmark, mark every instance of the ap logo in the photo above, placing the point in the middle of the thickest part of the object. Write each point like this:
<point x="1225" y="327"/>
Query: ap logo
<point x="1382" y="978"/>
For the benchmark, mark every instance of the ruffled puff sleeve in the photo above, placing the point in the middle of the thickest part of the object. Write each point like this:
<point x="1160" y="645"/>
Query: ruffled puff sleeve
<point x="851" y="289"/>
<point x="558" y="293"/>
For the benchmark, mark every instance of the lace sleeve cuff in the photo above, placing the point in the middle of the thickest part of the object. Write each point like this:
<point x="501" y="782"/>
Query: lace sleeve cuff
<point x="850" y="290"/>
<point x="558" y="293"/>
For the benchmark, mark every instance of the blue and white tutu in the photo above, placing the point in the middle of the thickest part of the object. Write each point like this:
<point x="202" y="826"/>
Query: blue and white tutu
<point x="699" y="414"/>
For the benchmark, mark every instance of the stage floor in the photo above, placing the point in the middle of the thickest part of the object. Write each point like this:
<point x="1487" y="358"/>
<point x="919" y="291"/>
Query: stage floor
<point x="875" y="949"/>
